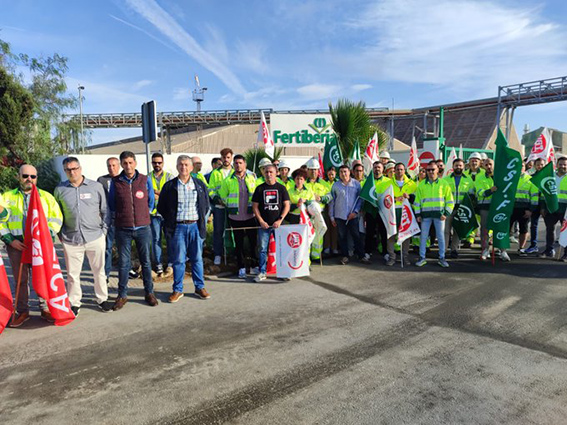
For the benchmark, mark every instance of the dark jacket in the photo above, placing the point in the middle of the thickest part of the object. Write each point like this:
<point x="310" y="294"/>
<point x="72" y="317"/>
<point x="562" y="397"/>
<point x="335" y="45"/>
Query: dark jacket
<point x="131" y="200"/>
<point x="167" y="206"/>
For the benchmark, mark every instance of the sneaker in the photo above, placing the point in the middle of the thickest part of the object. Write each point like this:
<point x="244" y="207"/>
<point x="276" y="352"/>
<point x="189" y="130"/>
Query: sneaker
<point x="132" y="274"/>
<point x="151" y="300"/>
<point x="350" y="253"/>
<point x="217" y="260"/>
<point x="242" y="273"/>
<point x="255" y="271"/>
<point x="119" y="303"/>
<point x="327" y="251"/>
<point x="485" y="254"/>
<point x="504" y="256"/>
<point x="547" y="254"/>
<point x="285" y="279"/>
<point x="75" y="310"/>
<point x="513" y="239"/>
<point x="367" y="256"/>
<point x="532" y="250"/>
<point x="344" y="260"/>
<point x="159" y="270"/>
<point x="168" y="272"/>
<point x="422" y="262"/>
<point x="260" y="277"/>
<point x="105" y="306"/>
<point x="443" y="263"/>
<point x="175" y="296"/>
<point x="522" y="253"/>
<point x="386" y="257"/>
<point x="202" y="293"/>
<point x="46" y="315"/>
<point x="390" y="262"/>
<point x="19" y="320"/>
<point x="365" y="260"/>
<point x="454" y="254"/>
<point x="335" y="252"/>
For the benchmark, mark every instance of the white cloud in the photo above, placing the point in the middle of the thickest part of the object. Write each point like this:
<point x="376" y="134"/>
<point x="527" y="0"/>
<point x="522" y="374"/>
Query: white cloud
<point x="319" y="91"/>
<point x="250" y="55"/>
<point x="153" y="37"/>
<point x="168" y="26"/>
<point x="472" y="46"/>
<point x="141" y="84"/>
<point x="360" y="87"/>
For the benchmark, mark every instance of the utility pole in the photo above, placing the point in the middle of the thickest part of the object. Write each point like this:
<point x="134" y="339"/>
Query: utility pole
<point x="198" y="97"/>
<point x="82" y="135"/>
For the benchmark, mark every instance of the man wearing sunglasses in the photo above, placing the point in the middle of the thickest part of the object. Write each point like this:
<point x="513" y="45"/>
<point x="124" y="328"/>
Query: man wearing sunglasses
<point x="12" y="234"/>
<point x="159" y="178"/>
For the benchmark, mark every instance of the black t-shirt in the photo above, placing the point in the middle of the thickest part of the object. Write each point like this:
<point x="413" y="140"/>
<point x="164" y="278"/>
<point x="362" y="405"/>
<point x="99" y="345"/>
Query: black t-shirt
<point x="270" y="199"/>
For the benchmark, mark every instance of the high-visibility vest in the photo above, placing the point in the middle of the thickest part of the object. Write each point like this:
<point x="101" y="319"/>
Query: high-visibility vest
<point x="527" y="194"/>
<point x="482" y="186"/>
<point x="6" y="213"/>
<point x="200" y="177"/>
<point x="408" y="187"/>
<point x="320" y="188"/>
<point x="14" y="201"/>
<point x="289" y="184"/>
<point x="215" y="180"/>
<point x="158" y="185"/>
<point x="466" y="185"/>
<point x="295" y="195"/>
<point x="562" y="194"/>
<point x="433" y="199"/>
<point x="229" y="192"/>
<point x="474" y="177"/>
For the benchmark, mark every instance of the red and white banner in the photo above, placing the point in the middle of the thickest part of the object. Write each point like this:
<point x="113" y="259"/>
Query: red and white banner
<point x="265" y="137"/>
<point x="47" y="278"/>
<point x="321" y="172"/>
<point x="6" y="302"/>
<point x="408" y="223"/>
<point x="543" y="146"/>
<point x="304" y="219"/>
<point x="271" y="266"/>
<point x="387" y="209"/>
<point x="449" y="164"/>
<point x="292" y="251"/>
<point x="371" y="154"/>
<point x="413" y="162"/>
<point x="563" y="234"/>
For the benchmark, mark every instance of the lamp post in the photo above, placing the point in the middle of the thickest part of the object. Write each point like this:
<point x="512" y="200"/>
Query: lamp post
<point x="81" y="88"/>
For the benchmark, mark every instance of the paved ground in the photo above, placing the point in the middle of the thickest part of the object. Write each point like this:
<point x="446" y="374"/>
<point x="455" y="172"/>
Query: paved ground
<point x="350" y="345"/>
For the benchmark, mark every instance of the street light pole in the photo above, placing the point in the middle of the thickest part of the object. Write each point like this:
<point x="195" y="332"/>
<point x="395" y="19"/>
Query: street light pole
<point x="81" y="88"/>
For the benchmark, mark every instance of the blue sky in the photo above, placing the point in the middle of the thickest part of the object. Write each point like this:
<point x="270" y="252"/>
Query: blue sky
<point x="295" y="54"/>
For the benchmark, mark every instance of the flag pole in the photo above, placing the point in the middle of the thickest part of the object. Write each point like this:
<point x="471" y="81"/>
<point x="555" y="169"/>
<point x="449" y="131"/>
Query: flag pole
<point x="17" y="290"/>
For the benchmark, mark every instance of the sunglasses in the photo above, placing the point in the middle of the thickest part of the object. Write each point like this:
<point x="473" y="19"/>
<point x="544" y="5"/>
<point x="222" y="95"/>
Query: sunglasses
<point x="68" y="170"/>
<point x="32" y="176"/>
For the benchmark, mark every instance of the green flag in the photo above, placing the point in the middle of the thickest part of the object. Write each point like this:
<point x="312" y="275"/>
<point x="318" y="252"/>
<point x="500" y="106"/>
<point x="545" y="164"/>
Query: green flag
<point x="332" y="156"/>
<point x="368" y="191"/>
<point x="354" y="153"/>
<point x="507" y="171"/>
<point x="544" y="180"/>
<point x="465" y="219"/>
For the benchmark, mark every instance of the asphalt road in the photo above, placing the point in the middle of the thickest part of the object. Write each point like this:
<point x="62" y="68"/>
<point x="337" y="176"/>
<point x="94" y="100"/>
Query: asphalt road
<point x="472" y="344"/>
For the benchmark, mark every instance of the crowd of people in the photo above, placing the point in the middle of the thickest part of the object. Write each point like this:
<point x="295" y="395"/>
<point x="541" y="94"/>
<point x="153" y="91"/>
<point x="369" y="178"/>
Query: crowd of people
<point x="126" y="206"/>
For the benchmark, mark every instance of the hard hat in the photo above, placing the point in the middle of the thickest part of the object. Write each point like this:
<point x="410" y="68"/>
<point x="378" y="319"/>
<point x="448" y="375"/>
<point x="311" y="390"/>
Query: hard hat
<point x="475" y="155"/>
<point x="389" y="166"/>
<point x="483" y="156"/>
<point x="283" y="164"/>
<point x="385" y="155"/>
<point x="263" y="162"/>
<point x="313" y="164"/>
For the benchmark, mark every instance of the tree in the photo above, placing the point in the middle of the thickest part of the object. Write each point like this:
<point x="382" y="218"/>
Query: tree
<point x="252" y="154"/>
<point x="351" y="123"/>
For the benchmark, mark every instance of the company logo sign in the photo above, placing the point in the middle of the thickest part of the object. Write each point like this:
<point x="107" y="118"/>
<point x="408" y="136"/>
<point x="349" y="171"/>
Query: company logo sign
<point x="302" y="129"/>
<point x="464" y="214"/>
<point x="549" y="186"/>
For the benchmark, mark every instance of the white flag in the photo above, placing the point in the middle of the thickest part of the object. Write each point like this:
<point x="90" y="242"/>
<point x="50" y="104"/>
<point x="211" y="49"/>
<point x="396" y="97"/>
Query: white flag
<point x="371" y="154"/>
<point x="461" y="152"/>
<point x="408" y="224"/>
<point x="563" y="234"/>
<point x="292" y="251"/>
<point x="413" y="163"/>
<point x="265" y="137"/>
<point x="449" y="165"/>
<point x="542" y="146"/>
<point x="304" y="219"/>
<point x="387" y="211"/>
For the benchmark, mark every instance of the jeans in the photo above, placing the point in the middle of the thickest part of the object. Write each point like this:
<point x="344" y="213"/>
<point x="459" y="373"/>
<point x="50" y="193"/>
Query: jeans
<point x="264" y="242"/>
<point x="156" y="224"/>
<point x="534" y="221"/>
<point x="349" y="228"/>
<point x="110" y="236"/>
<point x="439" y="231"/>
<point x="219" y="218"/>
<point x="143" y="239"/>
<point x="186" y="243"/>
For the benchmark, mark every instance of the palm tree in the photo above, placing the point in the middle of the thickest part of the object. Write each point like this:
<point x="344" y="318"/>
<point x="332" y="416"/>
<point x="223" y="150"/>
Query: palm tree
<point x="253" y="157"/>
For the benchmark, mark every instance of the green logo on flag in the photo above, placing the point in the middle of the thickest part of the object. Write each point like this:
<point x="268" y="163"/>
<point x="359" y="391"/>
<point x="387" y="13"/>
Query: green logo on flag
<point x="544" y="180"/>
<point x="465" y="219"/>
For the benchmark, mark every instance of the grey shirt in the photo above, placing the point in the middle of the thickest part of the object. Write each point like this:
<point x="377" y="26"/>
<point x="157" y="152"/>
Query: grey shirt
<point x="84" y="211"/>
<point x="243" y="196"/>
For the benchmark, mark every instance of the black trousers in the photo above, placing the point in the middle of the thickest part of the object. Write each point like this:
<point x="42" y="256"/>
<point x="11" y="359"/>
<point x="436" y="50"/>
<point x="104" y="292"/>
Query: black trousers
<point x="375" y="227"/>
<point x="239" y="235"/>
<point x="550" y="221"/>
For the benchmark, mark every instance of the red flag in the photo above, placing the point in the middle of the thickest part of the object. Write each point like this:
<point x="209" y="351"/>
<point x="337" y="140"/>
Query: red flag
<point x="265" y="138"/>
<point x="321" y="168"/>
<point x="47" y="278"/>
<point x="413" y="163"/>
<point x="271" y="267"/>
<point x="304" y="219"/>
<point x="6" y="302"/>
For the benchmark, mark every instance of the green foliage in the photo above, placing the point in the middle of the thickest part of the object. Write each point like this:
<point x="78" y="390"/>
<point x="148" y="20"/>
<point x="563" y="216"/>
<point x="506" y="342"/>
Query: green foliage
<point x="252" y="154"/>
<point x="351" y="122"/>
<point x="47" y="177"/>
